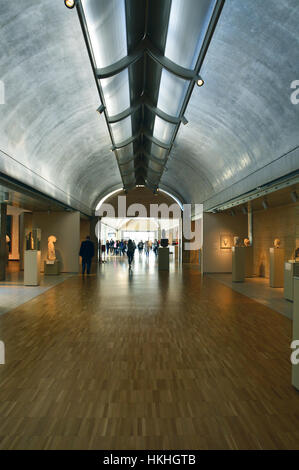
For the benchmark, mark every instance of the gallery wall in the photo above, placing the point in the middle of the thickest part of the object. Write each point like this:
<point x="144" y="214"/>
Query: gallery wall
<point x="66" y="228"/>
<point x="14" y="212"/>
<point x="277" y="222"/>
<point x="84" y="229"/>
<point x="215" y="227"/>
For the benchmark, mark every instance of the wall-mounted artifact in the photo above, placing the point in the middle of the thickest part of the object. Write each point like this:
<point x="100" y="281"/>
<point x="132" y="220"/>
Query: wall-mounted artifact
<point x="246" y="242"/>
<point x="276" y="243"/>
<point x="51" y="248"/>
<point x="226" y="241"/>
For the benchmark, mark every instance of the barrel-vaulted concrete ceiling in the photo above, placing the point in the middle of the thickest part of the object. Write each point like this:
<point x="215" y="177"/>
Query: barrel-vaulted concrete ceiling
<point x="242" y="130"/>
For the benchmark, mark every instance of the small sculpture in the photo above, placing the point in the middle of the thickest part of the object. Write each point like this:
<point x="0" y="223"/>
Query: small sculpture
<point x="246" y="242"/>
<point x="237" y="241"/>
<point x="51" y="248"/>
<point x="276" y="243"/>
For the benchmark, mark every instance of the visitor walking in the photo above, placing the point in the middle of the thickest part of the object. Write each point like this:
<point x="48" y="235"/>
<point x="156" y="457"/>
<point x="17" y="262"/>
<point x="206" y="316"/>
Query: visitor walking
<point x="130" y="252"/>
<point x="87" y="253"/>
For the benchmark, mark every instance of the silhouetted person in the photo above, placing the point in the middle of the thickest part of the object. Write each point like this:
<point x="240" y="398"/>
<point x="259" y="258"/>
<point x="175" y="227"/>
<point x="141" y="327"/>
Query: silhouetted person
<point x="130" y="252"/>
<point x="87" y="253"/>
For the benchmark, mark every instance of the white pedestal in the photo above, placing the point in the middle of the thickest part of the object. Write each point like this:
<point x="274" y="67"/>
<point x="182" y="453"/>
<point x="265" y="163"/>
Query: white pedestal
<point x="238" y="263"/>
<point x="32" y="268"/>
<point x="295" y="368"/>
<point x="163" y="259"/>
<point x="276" y="267"/>
<point x="289" y="273"/>
<point x="248" y="261"/>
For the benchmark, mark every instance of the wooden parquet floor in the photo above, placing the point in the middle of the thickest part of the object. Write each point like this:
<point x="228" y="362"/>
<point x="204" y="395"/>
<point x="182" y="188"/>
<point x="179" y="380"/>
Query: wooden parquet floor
<point x="146" y="361"/>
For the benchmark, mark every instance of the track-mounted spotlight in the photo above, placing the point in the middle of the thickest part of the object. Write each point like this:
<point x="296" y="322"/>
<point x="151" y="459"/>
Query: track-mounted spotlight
<point x="244" y="210"/>
<point x="6" y="196"/>
<point x="184" y="120"/>
<point x="70" y="3"/>
<point x="200" y="81"/>
<point x="101" y="109"/>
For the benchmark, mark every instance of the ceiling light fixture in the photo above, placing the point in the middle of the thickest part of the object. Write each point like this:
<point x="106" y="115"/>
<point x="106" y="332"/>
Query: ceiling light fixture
<point x="70" y="3"/>
<point x="101" y="109"/>
<point x="184" y="120"/>
<point x="200" y="81"/>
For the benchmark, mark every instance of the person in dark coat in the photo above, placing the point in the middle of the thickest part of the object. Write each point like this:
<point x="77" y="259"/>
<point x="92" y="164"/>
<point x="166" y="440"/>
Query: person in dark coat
<point x="87" y="253"/>
<point x="130" y="252"/>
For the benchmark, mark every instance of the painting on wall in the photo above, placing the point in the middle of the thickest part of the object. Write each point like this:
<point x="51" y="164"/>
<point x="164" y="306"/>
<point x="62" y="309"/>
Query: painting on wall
<point x="226" y="241"/>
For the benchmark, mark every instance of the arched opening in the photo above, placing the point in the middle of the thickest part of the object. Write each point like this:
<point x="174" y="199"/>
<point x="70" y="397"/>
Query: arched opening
<point x="142" y="216"/>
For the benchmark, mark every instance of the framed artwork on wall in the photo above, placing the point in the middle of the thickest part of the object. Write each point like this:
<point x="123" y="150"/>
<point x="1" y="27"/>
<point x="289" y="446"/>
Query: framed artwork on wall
<point x="226" y="241"/>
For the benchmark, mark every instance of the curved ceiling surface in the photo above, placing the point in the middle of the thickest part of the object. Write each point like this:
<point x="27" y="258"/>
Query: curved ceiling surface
<point x="242" y="128"/>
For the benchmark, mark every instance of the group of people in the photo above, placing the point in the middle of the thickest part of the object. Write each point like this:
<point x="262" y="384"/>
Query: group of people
<point x="122" y="247"/>
<point x="116" y="247"/>
<point x="148" y="246"/>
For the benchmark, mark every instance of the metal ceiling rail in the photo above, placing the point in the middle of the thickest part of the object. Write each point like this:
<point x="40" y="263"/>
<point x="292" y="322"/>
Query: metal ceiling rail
<point x="89" y="48"/>
<point x="144" y="101"/>
<point x="146" y="47"/>
<point x="150" y="157"/>
<point x="203" y="51"/>
<point x="136" y="136"/>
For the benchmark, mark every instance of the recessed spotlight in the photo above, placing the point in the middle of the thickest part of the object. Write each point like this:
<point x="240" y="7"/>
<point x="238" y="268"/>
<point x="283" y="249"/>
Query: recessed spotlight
<point x="200" y="81"/>
<point x="70" y="3"/>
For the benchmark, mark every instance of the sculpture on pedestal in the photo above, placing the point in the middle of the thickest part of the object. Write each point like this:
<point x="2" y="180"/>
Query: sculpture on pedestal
<point x="51" y="248"/>
<point x="238" y="241"/>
